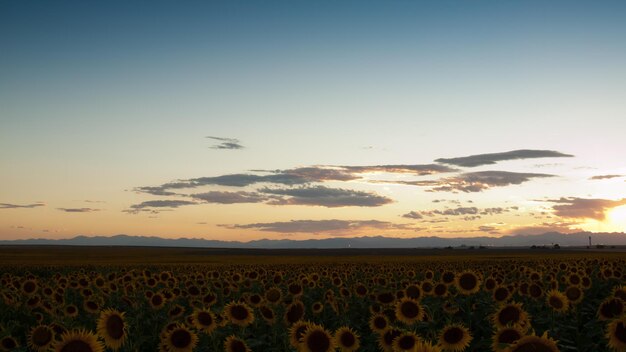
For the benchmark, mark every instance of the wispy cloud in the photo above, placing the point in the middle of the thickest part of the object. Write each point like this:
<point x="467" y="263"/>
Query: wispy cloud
<point x="78" y="210"/>
<point x="18" y="206"/>
<point x="326" y="197"/>
<point x="226" y="143"/>
<point x="605" y="177"/>
<point x="473" y="181"/>
<point x="154" y="206"/>
<point x="492" y="158"/>
<point x="584" y="208"/>
<point x="469" y="213"/>
<point x="230" y="197"/>
<point x="334" y="226"/>
<point x="292" y="177"/>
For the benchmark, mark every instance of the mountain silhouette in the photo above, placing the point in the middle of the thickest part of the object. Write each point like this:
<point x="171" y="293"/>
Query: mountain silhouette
<point x="546" y="239"/>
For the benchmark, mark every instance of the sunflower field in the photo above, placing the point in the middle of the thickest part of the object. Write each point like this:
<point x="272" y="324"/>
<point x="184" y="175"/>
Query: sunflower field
<point x="524" y="304"/>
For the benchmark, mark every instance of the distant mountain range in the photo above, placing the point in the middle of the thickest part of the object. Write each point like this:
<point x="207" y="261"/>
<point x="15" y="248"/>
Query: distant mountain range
<point x="550" y="238"/>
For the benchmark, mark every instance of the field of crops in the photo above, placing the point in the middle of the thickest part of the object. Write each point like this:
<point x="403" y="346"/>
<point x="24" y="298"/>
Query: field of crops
<point x="530" y="303"/>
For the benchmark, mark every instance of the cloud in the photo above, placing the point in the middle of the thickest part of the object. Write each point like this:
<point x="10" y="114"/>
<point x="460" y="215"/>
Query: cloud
<point x="413" y="215"/>
<point x="468" y="213"/>
<point x="78" y="210"/>
<point x="230" y="197"/>
<point x="150" y="205"/>
<point x="334" y="226"/>
<point x="605" y="177"/>
<point x="472" y="181"/>
<point x="326" y="197"/>
<point x="492" y="230"/>
<point x="16" y="206"/>
<point x="492" y="158"/>
<point x="421" y="170"/>
<point x="292" y="177"/>
<point x="226" y="143"/>
<point x="584" y="208"/>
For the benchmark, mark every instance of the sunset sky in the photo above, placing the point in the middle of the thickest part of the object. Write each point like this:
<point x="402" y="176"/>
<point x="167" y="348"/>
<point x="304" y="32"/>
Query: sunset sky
<point x="241" y="120"/>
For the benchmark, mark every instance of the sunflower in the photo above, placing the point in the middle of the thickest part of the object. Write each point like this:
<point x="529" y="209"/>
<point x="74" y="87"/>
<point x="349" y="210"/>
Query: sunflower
<point x="317" y="307"/>
<point x="409" y="311"/>
<point x="405" y="342"/>
<point x="294" y="312"/>
<point x="296" y="331"/>
<point x="180" y="339"/>
<point x="557" y="301"/>
<point x="501" y="294"/>
<point x="8" y="343"/>
<point x="534" y="343"/>
<point x="440" y="290"/>
<point x="78" y="341"/>
<point x="454" y="337"/>
<point x="346" y="339"/>
<point x="316" y="339"/>
<point x="385" y="339"/>
<point x="41" y="338"/>
<point x="413" y="291"/>
<point x="267" y="314"/>
<point x="204" y="320"/>
<point x="620" y="292"/>
<point x="616" y="334"/>
<point x="91" y="306"/>
<point x="235" y="344"/>
<point x="157" y="301"/>
<point x="71" y="311"/>
<point x="379" y="323"/>
<point x="29" y="287"/>
<point x="423" y="346"/>
<point x="506" y="336"/>
<point x="239" y="313"/>
<point x="510" y="314"/>
<point x="468" y="282"/>
<point x="610" y="308"/>
<point x="112" y="328"/>
<point x="574" y="294"/>
<point x="176" y="312"/>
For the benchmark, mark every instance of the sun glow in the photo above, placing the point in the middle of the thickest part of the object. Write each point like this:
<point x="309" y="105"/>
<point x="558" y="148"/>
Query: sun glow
<point x="617" y="218"/>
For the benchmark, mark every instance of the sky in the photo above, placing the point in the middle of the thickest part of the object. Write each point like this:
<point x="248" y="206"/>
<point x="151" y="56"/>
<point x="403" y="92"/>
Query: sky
<point x="241" y="120"/>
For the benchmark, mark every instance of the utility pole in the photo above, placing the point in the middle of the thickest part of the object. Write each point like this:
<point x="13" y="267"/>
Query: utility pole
<point x="589" y="241"/>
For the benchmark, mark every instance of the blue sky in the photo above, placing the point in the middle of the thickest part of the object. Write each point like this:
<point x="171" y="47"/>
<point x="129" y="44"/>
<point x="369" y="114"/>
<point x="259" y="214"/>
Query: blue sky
<point x="98" y="98"/>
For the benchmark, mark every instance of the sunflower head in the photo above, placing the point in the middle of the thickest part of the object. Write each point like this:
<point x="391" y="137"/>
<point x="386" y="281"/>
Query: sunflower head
<point x="41" y="338"/>
<point x="239" y="313"/>
<point x="112" y="328"/>
<point x="204" y="320"/>
<point x="409" y="311"/>
<point x="574" y="294"/>
<point x="316" y="339"/>
<point x="454" y="337"/>
<point x="405" y="342"/>
<point x="506" y="336"/>
<point x="346" y="339"/>
<point x="294" y="312"/>
<point x="557" y="301"/>
<point x="468" y="282"/>
<point x="180" y="339"/>
<point x="510" y="314"/>
<point x="610" y="308"/>
<point x="379" y="323"/>
<point x="235" y="344"/>
<point x="8" y="343"/>
<point x="534" y="343"/>
<point x="385" y="339"/>
<point x="78" y="341"/>
<point x="616" y="334"/>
